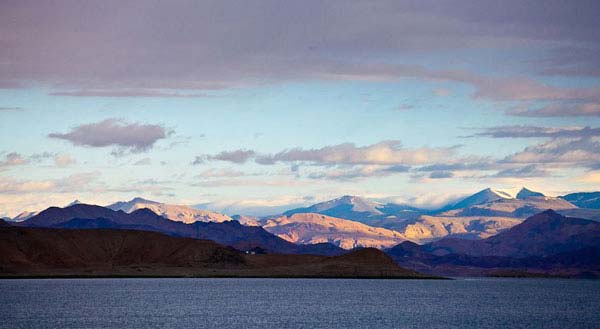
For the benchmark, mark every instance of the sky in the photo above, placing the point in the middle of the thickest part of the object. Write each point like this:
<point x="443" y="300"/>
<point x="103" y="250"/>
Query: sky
<point x="258" y="106"/>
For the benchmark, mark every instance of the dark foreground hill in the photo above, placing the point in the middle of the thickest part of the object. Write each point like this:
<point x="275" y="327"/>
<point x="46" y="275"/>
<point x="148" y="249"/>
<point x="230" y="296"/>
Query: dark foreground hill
<point x="546" y="243"/>
<point x="229" y="233"/>
<point x="107" y="252"/>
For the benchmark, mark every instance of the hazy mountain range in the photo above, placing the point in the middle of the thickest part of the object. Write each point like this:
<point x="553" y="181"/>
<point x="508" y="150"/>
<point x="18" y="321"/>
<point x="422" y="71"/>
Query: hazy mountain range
<point x="480" y="215"/>
<point x="352" y="221"/>
<point x="481" y="234"/>
<point x="229" y="233"/>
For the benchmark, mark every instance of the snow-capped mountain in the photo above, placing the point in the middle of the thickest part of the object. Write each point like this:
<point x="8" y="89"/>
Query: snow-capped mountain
<point x="74" y="203"/>
<point x="179" y="213"/>
<point x="25" y="215"/>
<point x="348" y="205"/>
<point x="497" y="203"/>
<point x="481" y="197"/>
<point x="355" y="208"/>
<point x="480" y="215"/>
<point x="525" y="193"/>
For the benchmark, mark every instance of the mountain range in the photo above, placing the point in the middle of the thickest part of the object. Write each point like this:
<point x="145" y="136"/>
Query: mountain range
<point x="229" y="233"/>
<point x="477" y="216"/>
<point x="352" y="221"/>
<point x="179" y="213"/>
<point x="589" y="200"/>
<point x="473" y="235"/>
<point x="357" y="209"/>
<point x="311" y="228"/>
<point x="544" y="243"/>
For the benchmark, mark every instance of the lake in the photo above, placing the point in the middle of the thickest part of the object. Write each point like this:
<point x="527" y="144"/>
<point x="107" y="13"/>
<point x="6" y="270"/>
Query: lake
<point x="299" y="303"/>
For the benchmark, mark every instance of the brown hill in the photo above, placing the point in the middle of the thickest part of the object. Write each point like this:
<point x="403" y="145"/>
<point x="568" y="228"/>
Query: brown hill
<point x="106" y="252"/>
<point x="362" y="263"/>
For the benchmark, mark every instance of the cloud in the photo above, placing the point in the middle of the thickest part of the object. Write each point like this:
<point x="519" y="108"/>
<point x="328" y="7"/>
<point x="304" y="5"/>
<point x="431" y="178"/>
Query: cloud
<point x="221" y="172"/>
<point x="128" y="93"/>
<point x="388" y="152"/>
<point x="13" y="159"/>
<point x="73" y="183"/>
<point x="143" y="162"/>
<point x="404" y="107"/>
<point x="132" y="137"/>
<point x="577" y="146"/>
<point x="11" y="109"/>
<point x="427" y="200"/>
<point x="64" y="160"/>
<point x="525" y="91"/>
<point x="42" y="156"/>
<point x="524" y="171"/>
<point x="180" y="44"/>
<point x="17" y="159"/>
<point x="578" y="152"/>
<point x="537" y="132"/>
<point x="237" y="156"/>
<point x="463" y="164"/>
<point x="257" y="207"/>
<point x="575" y="61"/>
<point x="441" y="174"/>
<point x="280" y="183"/>
<point x="442" y="92"/>
<point x="198" y="160"/>
<point x="180" y="47"/>
<point x="566" y="109"/>
<point x="362" y="171"/>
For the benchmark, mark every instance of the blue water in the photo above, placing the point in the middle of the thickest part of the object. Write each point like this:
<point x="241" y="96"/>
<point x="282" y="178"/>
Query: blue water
<point x="291" y="303"/>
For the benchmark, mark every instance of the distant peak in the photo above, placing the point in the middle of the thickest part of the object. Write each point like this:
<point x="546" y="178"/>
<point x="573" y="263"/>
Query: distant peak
<point x="74" y="203"/>
<point x="481" y="197"/>
<point x="344" y="199"/>
<point x="550" y="212"/>
<point x="544" y="216"/>
<point x="144" y="211"/>
<point x="141" y="200"/>
<point x="525" y="193"/>
<point x="347" y="198"/>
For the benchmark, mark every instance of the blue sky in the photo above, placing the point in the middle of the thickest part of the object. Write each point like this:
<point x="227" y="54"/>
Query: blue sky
<point x="266" y="106"/>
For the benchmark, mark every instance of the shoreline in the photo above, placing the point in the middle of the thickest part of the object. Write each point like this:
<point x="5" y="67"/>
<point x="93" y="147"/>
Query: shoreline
<point x="2" y="277"/>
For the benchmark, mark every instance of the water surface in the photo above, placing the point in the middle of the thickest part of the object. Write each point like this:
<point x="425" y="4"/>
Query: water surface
<point x="299" y="303"/>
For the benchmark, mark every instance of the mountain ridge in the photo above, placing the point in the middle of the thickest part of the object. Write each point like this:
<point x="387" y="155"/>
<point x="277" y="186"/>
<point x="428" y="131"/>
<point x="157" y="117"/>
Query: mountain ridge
<point x="587" y="200"/>
<point x="310" y="228"/>
<point x="544" y="243"/>
<point x="180" y="213"/>
<point x="229" y="233"/>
